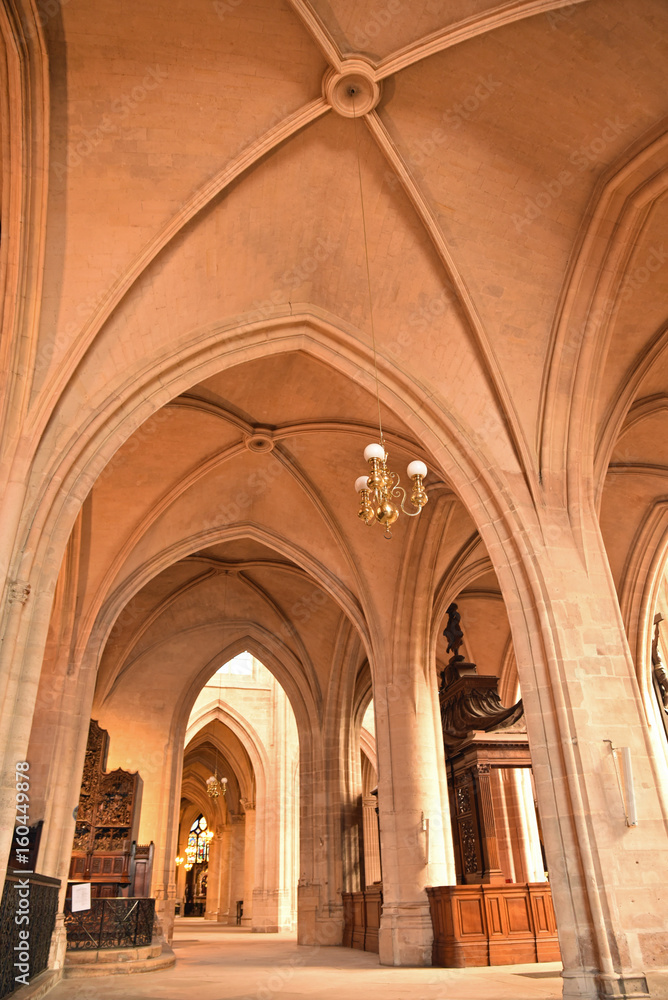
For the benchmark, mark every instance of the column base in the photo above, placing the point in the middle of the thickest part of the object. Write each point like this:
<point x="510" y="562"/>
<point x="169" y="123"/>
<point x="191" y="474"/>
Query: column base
<point x="58" y="946"/>
<point x="317" y="924"/>
<point x="271" y="911"/>
<point x="580" y="985"/>
<point x="406" y="935"/>
<point x="622" y="986"/>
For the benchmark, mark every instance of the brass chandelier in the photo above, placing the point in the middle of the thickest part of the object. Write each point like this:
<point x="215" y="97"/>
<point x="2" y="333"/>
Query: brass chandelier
<point x="381" y="488"/>
<point x="378" y="490"/>
<point x="214" y="784"/>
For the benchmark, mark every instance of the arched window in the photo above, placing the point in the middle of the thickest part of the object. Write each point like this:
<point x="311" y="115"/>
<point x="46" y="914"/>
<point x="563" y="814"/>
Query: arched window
<point x="242" y="664"/>
<point x="199" y="837"/>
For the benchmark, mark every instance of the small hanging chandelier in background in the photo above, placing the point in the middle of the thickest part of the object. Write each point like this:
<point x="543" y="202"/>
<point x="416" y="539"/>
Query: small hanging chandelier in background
<point x="378" y="490"/>
<point x="214" y="784"/>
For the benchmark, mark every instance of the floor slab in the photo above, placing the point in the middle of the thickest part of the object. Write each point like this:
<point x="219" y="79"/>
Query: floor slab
<point x="227" y="963"/>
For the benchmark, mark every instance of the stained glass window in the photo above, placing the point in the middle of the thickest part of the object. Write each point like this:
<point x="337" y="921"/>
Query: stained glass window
<point x="198" y="842"/>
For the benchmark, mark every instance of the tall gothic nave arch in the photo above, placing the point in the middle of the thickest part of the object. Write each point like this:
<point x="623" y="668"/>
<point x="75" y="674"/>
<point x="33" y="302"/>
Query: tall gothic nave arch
<point x="446" y="521"/>
<point x="188" y="382"/>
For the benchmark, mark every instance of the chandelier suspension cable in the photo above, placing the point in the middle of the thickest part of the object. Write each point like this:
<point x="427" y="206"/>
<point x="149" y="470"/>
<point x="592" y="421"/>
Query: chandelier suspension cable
<point x="366" y="258"/>
<point x="381" y="496"/>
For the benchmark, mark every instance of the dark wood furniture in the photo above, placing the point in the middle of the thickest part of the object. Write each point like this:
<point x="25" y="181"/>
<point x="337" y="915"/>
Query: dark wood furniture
<point x="483" y="920"/>
<point x="361" y="918"/>
<point x="104" y="851"/>
<point x="470" y="787"/>
<point x="493" y="924"/>
<point x="141" y="867"/>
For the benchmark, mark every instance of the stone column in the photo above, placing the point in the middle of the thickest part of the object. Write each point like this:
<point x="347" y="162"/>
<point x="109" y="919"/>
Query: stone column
<point x="214" y="875"/>
<point x="249" y="867"/>
<point x="181" y="885"/>
<point x="58" y="737"/>
<point x="414" y="814"/>
<point x="319" y="907"/>
<point x="371" y="841"/>
<point x="580" y="693"/>
<point x="237" y="865"/>
<point x="227" y="913"/>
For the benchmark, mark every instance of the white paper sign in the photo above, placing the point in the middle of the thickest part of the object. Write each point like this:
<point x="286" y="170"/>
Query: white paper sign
<point x="81" y="896"/>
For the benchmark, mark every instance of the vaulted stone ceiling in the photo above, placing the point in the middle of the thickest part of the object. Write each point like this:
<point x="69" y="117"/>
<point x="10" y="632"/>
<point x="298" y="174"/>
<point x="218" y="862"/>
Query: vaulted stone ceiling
<point x="204" y="212"/>
<point x="232" y="528"/>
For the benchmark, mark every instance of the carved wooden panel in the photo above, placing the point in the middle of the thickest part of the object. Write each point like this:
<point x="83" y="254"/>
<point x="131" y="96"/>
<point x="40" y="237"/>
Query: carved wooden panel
<point x="143" y="866"/>
<point x="471" y="920"/>
<point x="471" y="805"/>
<point x="518" y="914"/>
<point x="494" y="916"/>
<point x="358" y="921"/>
<point x="107" y="819"/>
<point x="478" y="925"/>
<point x="466" y="838"/>
<point x="362" y="912"/>
<point x="373" y="908"/>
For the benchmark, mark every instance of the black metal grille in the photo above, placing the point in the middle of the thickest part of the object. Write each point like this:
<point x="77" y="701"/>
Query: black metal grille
<point x="40" y="906"/>
<point x="110" y="923"/>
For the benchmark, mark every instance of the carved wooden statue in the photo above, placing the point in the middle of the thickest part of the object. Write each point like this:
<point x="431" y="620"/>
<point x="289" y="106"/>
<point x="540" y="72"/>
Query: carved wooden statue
<point x="660" y="672"/>
<point x="470" y="708"/>
<point x="453" y="633"/>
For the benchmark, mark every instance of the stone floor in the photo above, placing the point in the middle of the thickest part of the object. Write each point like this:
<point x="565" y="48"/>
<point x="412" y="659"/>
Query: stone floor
<point x="225" y="963"/>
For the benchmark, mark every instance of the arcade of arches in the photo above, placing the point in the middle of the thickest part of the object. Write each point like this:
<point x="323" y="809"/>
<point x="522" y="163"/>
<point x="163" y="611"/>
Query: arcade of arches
<point x="241" y="729"/>
<point x="189" y="381"/>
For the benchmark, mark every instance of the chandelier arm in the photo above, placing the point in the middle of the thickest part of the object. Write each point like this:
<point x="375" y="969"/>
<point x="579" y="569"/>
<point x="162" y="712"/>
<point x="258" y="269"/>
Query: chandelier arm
<point x="394" y="487"/>
<point x="398" y="491"/>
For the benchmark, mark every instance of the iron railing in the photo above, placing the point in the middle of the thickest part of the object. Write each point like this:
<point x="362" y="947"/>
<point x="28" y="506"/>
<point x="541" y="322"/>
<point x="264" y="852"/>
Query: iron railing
<point x="29" y="903"/>
<point x="110" y="923"/>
